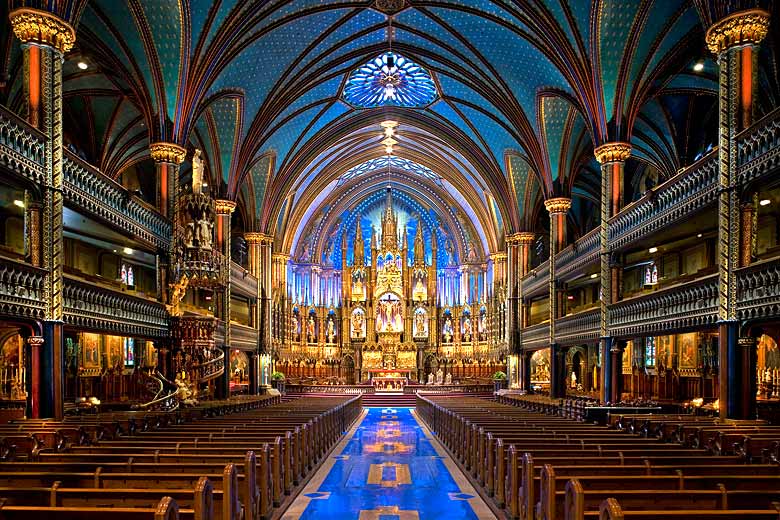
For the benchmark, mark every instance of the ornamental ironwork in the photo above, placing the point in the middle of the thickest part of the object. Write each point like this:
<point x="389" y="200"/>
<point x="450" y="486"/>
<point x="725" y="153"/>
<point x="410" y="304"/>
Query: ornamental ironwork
<point x="381" y="164"/>
<point x="390" y="80"/>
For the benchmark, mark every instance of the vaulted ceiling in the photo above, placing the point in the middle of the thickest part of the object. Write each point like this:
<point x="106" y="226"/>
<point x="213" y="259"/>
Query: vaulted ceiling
<point x="525" y="90"/>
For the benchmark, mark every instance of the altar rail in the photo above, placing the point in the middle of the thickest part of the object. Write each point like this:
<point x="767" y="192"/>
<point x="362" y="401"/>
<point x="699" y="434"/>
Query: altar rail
<point x="329" y="389"/>
<point x="449" y="389"/>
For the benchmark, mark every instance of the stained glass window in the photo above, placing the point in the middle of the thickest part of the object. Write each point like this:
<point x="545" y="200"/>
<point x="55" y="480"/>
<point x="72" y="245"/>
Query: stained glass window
<point x="380" y="164"/>
<point x="390" y="80"/>
<point x="650" y="351"/>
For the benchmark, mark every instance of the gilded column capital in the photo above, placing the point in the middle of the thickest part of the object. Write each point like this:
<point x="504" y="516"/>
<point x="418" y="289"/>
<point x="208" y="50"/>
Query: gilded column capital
<point x="521" y="237"/>
<point x="256" y="237"/>
<point x="35" y="341"/>
<point x="612" y="152"/>
<point x="224" y="206"/>
<point x="167" y="153"/>
<point x="743" y="27"/>
<point x="557" y="205"/>
<point x="42" y="27"/>
<point x="281" y="257"/>
<point x="498" y="257"/>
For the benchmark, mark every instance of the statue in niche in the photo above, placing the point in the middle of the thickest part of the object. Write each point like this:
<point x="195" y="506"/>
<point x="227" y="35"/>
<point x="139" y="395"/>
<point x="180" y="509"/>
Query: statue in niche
<point x="205" y="226"/>
<point x="447" y="329"/>
<point x="357" y="325"/>
<point x="197" y="173"/>
<point x="467" y="329"/>
<point x="296" y="328"/>
<point x="189" y="234"/>
<point x="310" y="335"/>
<point x="419" y="324"/>
<point x="439" y="376"/>
<point x="430" y="378"/>
<point x="448" y="379"/>
<point x="331" y="331"/>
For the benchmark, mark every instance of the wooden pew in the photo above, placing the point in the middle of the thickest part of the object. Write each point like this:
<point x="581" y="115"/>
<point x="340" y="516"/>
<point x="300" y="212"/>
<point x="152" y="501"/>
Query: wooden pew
<point x="166" y="509"/>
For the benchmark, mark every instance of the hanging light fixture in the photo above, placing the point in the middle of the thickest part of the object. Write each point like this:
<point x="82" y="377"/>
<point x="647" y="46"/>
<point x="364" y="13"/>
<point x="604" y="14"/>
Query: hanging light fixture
<point x="390" y="78"/>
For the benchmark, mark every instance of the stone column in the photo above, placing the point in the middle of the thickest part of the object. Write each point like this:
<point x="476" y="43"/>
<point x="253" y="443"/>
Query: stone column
<point x="734" y="41"/>
<point x="223" y="209"/>
<point x="34" y="379"/>
<point x="612" y="157"/>
<point x="557" y="207"/>
<point x="266" y="290"/>
<point x="45" y="39"/>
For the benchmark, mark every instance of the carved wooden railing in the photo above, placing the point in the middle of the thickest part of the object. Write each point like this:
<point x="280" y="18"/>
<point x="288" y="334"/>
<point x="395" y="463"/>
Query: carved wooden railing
<point x="94" y="307"/>
<point x="582" y="327"/>
<point x="577" y="256"/>
<point x="243" y="337"/>
<point x="758" y="290"/>
<point x="689" y="191"/>
<point x="758" y="148"/>
<point x="22" y="150"/>
<point x="536" y="336"/>
<point x="684" y="306"/>
<point x="296" y="388"/>
<point x="537" y="280"/>
<point x="21" y="289"/>
<point x="91" y="191"/>
<point x="242" y="281"/>
<point x="22" y="147"/>
<point x="211" y="369"/>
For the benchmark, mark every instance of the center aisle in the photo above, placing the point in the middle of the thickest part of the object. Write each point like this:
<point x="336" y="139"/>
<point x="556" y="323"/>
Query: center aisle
<point x="389" y="467"/>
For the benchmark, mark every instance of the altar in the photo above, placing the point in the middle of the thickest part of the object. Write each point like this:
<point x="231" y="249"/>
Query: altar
<point x="389" y="380"/>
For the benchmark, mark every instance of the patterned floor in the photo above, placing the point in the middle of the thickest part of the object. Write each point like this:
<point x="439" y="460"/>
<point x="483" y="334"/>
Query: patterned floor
<point x="388" y="468"/>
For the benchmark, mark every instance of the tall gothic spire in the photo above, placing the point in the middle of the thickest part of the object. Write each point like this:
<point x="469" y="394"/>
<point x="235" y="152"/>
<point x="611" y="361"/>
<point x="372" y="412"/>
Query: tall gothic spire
<point x="389" y="224"/>
<point x="360" y="255"/>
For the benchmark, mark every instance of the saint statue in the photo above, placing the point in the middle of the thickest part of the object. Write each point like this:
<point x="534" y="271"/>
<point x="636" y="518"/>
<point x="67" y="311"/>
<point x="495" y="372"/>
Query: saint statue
<point x="430" y="378"/>
<point x="448" y="379"/>
<point x="357" y="325"/>
<point x="197" y="173"/>
<point x="331" y="332"/>
<point x="204" y="233"/>
<point x="310" y="335"/>
<point x="439" y="376"/>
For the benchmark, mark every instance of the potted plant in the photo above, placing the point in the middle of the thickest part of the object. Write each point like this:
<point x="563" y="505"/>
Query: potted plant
<point x="277" y="381"/>
<point x="499" y="380"/>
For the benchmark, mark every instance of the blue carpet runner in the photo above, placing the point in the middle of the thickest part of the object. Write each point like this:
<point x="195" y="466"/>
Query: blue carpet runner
<point x="388" y="469"/>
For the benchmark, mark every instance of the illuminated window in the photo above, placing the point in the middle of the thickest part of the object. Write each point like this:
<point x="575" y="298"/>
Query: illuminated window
<point x="130" y="277"/>
<point x="390" y="80"/>
<point x="651" y="274"/>
<point x="128" y="344"/>
<point x="123" y="274"/>
<point x="650" y="352"/>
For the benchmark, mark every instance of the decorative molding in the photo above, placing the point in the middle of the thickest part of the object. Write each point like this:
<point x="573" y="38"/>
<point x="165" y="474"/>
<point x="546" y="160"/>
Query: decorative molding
<point x="521" y="237"/>
<point x="22" y="147"/>
<point x="42" y="28"/>
<point x="557" y="205"/>
<point x="758" y="290"/>
<point x="171" y="153"/>
<point x="742" y="28"/>
<point x="255" y="237"/>
<point x="612" y="152"/>
<point x="758" y="148"/>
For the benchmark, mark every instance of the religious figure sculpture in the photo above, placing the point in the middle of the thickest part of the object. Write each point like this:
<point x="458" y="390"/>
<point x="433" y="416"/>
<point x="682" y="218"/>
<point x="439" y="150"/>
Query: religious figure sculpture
<point x="357" y="325"/>
<point x="310" y="335"/>
<point x="331" y="331"/>
<point x="204" y="233"/>
<point x="197" y="173"/>
<point x="447" y="330"/>
<point x="450" y="253"/>
<point x="419" y="325"/>
<point x="467" y="329"/>
<point x="471" y="252"/>
<point x="430" y="378"/>
<point x="448" y="379"/>
<point x="439" y="376"/>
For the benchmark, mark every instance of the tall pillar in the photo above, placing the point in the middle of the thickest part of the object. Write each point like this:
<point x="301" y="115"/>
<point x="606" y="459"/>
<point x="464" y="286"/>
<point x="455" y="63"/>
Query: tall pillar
<point x="612" y="157"/>
<point x="45" y="39"/>
<point x="266" y="291"/>
<point x="557" y="207"/>
<point x="167" y="158"/>
<point x="223" y="209"/>
<point x="34" y="243"/>
<point x="34" y="379"/>
<point x="734" y="40"/>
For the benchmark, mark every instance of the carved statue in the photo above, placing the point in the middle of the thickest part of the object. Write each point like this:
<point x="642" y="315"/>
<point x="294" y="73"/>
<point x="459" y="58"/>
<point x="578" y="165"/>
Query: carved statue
<point x="357" y="325"/>
<point x="204" y="233"/>
<point x="331" y="332"/>
<point x="439" y="376"/>
<point x="189" y="234"/>
<point x="430" y="378"/>
<point x="178" y="290"/>
<point x="310" y="335"/>
<point x="419" y="325"/>
<point x="448" y="379"/>
<point x="467" y="329"/>
<point x="197" y="172"/>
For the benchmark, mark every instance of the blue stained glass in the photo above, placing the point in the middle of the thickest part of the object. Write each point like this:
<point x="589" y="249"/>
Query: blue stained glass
<point x="380" y="164"/>
<point x="390" y="80"/>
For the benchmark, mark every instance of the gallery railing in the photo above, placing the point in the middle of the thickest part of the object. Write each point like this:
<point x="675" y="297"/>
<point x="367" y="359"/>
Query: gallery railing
<point x="536" y="336"/>
<point x="537" y="280"/>
<point x="577" y="256"/>
<point x="582" y="327"/>
<point x="243" y="337"/>
<point x="759" y="148"/>
<point x="758" y="290"/>
<point x="242" y="282"/>
<point x="22" y="147"/>
<point x="21" y="289"/>
<point x="93" y="307"/>
<point x="676" y="308"/>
